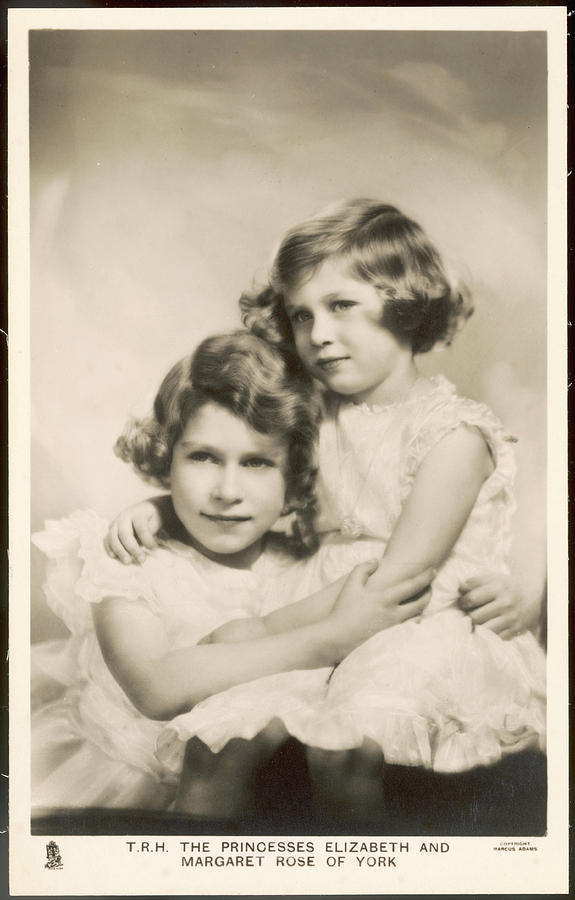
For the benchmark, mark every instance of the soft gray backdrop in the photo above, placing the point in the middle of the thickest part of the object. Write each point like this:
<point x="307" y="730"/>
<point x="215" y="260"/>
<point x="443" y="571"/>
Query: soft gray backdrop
<point x="165" y="166"/>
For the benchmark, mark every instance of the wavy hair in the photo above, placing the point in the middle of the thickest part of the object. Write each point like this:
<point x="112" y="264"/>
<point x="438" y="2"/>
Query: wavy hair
<point x="255" y="382"/>
<point x="381" y="246"/>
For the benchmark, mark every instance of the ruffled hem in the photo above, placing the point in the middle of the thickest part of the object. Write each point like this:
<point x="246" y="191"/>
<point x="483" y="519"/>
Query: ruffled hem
<point x="71" y="771"/>
<point x="90" y="779"/>
<point x="243" y="711"/>
<point x="436" y="694"/>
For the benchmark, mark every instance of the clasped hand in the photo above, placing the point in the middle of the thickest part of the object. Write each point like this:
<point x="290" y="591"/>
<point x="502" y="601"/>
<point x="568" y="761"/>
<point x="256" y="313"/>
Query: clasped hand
<point x="360" y="611"/>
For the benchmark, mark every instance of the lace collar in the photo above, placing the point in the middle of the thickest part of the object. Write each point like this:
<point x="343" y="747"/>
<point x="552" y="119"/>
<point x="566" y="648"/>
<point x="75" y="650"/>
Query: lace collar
<point x="422" y="387"/>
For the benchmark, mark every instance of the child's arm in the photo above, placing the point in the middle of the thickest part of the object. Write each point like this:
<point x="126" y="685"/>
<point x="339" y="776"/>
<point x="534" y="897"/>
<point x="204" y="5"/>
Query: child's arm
<point x="303" y="612"/>
<point x="162" y="682"/>
<point x="443" y="494"/>
<point x="308" y="611"/>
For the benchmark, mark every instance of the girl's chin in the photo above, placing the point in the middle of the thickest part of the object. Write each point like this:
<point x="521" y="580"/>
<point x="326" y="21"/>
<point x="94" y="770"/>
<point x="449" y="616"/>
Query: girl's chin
<point x="339" y="386"/>
<point x="339" y="382"/>
<point x="229" y="552"/>
<point x="333" y="383"/>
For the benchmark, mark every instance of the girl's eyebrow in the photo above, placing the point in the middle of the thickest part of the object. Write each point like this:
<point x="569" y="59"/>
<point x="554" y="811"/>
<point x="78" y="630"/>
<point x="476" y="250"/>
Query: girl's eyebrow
<point x="273" y="455"/>
<point x="195" y="445"/>
<point x="336" y="295"/>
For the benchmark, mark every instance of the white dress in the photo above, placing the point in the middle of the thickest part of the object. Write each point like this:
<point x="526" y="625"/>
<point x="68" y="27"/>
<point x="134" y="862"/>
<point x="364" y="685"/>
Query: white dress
<point x="90" y="746"/>
<point x="437" y="693"/>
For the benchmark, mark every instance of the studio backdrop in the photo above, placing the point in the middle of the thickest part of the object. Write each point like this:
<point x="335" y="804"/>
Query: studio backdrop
<point x="165" y="167"/>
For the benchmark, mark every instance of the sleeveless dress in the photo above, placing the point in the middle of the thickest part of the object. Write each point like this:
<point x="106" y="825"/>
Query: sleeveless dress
<point x="91" y="747"/>
<point x="438" y="692"/>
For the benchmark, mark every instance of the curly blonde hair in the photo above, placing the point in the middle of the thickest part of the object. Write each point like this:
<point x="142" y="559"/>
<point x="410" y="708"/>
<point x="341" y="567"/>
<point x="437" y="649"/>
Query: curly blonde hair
<point x="382" y="247"/>
<point x="255" y="382"/>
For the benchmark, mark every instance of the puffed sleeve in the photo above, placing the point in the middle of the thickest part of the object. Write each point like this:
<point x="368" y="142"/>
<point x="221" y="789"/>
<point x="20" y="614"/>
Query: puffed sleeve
<point x="431" y="425"/>
<point x="79" y="572"/>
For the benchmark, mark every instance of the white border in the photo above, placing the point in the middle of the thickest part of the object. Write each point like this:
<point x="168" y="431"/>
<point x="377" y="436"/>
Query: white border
<point x="102" y="865"/>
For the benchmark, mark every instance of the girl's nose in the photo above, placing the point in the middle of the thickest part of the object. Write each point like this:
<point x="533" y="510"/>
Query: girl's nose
<point x="227" y="488"/>
<point x="321" y="330"/>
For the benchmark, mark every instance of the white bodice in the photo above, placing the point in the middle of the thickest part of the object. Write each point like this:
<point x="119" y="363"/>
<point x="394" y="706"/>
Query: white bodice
<point x="369" y="458"/>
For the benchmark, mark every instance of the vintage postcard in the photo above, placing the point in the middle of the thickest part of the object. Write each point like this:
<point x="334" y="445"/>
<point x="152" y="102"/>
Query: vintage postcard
<point x="288" y="322"/>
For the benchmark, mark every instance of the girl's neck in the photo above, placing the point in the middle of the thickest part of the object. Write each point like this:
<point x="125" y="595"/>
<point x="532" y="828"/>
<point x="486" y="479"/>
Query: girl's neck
<point x="394" y="388"/>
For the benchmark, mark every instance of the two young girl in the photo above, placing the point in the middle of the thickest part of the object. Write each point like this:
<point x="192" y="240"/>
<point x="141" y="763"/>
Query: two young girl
<point x="232" y="434"/>
<point x="410" y="473"/>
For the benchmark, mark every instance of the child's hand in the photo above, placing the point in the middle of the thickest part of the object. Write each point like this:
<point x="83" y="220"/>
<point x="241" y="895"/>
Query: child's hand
<point x="360" y="611"/>
<point x="491" y="600"/>
<point x="133" y="530"/>
<point x="236" y="630"/>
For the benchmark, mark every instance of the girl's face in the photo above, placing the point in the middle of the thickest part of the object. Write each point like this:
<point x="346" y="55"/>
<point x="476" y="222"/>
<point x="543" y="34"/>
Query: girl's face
<point x="338" y="336"/>
<point x="228" y="485"/>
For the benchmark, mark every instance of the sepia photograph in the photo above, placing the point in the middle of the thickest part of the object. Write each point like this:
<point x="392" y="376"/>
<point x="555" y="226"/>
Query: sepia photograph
<point x="285" y="293"/>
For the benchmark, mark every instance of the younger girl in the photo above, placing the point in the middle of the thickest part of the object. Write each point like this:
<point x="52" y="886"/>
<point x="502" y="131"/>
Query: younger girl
<point x="409" y="471"/>
<point x="232" y="435"/>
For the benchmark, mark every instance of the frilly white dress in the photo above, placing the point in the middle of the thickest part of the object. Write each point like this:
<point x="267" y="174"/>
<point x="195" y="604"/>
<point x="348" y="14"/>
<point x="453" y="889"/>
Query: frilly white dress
<point x="90" y="746"/>
<point x="437" y="693"/>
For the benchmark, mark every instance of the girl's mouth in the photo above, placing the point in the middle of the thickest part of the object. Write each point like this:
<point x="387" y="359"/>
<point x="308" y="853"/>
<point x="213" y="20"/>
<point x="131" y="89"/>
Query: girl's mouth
<point x="329" y="365"/>
<point x="226" y="520"/>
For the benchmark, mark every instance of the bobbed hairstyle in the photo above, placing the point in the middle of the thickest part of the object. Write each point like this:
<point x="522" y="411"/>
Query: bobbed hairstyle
<point x="255" y="382"/>
<point x="379" y="245"/>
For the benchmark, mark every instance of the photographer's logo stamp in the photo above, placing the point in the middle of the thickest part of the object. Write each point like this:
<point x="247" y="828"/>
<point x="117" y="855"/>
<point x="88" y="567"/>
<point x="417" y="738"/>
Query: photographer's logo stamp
<point x="53" y="856"/>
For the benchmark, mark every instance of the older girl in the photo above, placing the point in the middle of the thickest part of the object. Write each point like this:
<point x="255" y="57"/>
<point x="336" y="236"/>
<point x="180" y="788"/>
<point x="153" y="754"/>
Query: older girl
<point x="231" y="434"/>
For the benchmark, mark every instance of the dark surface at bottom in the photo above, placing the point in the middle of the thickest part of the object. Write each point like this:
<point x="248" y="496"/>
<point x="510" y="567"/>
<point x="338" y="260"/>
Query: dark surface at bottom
<point x="507" y="799"/>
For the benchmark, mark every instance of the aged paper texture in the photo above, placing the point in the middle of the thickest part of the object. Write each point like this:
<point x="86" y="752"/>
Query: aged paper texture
<point x="156" y="157"/>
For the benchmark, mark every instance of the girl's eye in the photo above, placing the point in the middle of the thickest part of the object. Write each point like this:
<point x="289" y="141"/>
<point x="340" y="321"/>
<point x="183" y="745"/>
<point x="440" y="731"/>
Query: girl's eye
<point x="300" y="315"/>
<point x="202" y="456"/>
<point x="258" y="462"/>
<point x="342" y="305"/>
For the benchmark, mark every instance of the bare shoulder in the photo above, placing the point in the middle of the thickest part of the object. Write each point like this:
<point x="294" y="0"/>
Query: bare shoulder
<point x="463" y="448"/>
